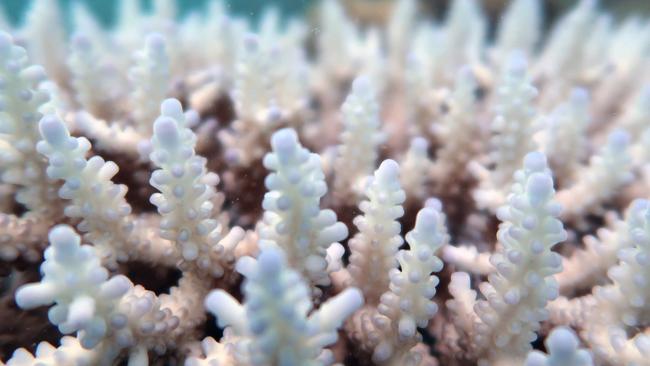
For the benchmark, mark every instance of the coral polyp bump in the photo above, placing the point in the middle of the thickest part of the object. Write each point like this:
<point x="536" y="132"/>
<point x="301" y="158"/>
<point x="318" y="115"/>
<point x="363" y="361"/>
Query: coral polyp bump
<point x="208" y="189"/>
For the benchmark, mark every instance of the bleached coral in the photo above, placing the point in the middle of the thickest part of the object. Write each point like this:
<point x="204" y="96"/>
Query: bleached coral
<point x="89" y="78"/>
<point x="187" y="194"/>
<point x="608" y="171"/>
<point x="513" y="129"/>
<point x="234" y="185"/>
<point x="20" y="103"/>
<point x="623" y="304"/>
<point x="360" y="139"/>
<point x="459" y="130"/>
<point x="46" y="37"/>
<point x="566" y="141"/>
<point x="400" y="26"/>
<point x="408" y="304"/>
<point x="92" y="196"/>
<point x="520" y="28"/>
<point x="373" y="249"/>
<point x="274" y="317"/>
<point x="415" y="165"/>
<point x="108" y="314"/>
<point x="75" y="282"/>
<point x="516" y="294"/>
<point x="292" y="218"/>
<point x="150" y="77"/>
<point x="562" y="344"/>
<point x="256" y="102"/>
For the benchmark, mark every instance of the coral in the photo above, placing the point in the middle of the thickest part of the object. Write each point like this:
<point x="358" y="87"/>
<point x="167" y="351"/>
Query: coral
<point x="607" y="172"/>
<point x="21" y="100"/>
<point x="360" y="139"/>
<point x="623" y="303"/>
<point x="187" y="195"/>
<point x="562" y="344"/>
<point x="373" y="249"/>
<point x="513" y="129"/>
<point x="407" y="304"/>
<point x="273" y="321"/>
<point x="522" y="284"/>
<point x="93" y="197"/>
<point x="292" y="217"/>
<point x="150" y="77"/>
<point x="565" y="136"/>
<point x="365" y="185"/>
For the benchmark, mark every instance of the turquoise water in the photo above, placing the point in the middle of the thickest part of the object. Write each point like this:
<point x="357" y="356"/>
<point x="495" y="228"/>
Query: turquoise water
<point x="105" y="9"/>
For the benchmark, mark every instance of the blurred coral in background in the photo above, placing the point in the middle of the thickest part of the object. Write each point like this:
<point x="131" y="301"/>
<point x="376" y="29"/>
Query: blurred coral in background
<point x="334" y="182"/>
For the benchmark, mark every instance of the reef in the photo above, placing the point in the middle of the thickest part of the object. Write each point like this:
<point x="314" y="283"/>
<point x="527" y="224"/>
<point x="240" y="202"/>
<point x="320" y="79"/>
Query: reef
<point x="212" y="190"/>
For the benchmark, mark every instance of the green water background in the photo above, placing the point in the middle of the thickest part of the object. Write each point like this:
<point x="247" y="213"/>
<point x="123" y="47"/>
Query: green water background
<point x="105" y="10"/>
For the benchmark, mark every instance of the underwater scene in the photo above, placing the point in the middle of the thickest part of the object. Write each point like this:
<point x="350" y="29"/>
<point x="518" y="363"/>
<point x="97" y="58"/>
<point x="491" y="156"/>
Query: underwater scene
<point x="327" y="182"/>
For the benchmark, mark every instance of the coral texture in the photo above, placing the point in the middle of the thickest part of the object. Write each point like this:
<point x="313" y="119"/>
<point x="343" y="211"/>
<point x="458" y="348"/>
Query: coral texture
<point x="368" y="185"/>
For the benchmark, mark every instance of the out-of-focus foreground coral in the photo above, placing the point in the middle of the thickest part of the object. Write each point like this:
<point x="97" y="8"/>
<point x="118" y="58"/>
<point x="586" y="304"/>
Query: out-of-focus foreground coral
<point x="215" y="191"/>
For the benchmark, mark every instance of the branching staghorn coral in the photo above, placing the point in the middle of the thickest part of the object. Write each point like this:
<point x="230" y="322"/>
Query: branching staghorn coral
<point x="563" y="60"/>
<point x="623" y="305"/>
<point x="360" y="139"/>
<point x="373" y="249"/>
<point x="150" y="77"/>
<point x="107" y="312"/>
<point x="513" y="129"/>
<point x="607" y="172"/>
<point x="90" y="79"/>
<point x="93" y="197"/>
<point x="45" y="34"/>
<point x="21" y="101"/>
<point x="516" y="294"/>
<point x="408" y="303"/>
<point x="414" y="163"/>
<point x="520" y="28"/>
<point x="192" y="152"/>
<point x="260" y="85"/>
<point x="292" y="217"/>
<point x="565" y="136"/>
<point x="460" y="131"/>
<point x="588" y="266"/>
<point x="278" y="330"/>
<point x="186" y="198"/>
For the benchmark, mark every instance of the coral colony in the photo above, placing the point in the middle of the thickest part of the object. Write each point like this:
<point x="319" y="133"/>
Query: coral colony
<point x="216" y="191"/>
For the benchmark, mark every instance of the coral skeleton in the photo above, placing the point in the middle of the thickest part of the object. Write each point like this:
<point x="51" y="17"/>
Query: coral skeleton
<point x="372" y="184"/>
<point x="562" y="344"/>
<point x="272" y="326"/>
<point x="292" y="218"/>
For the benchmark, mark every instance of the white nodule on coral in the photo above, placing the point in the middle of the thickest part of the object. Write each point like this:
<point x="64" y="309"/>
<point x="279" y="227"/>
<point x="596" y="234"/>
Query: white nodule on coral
<point x="562" y="346"/>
